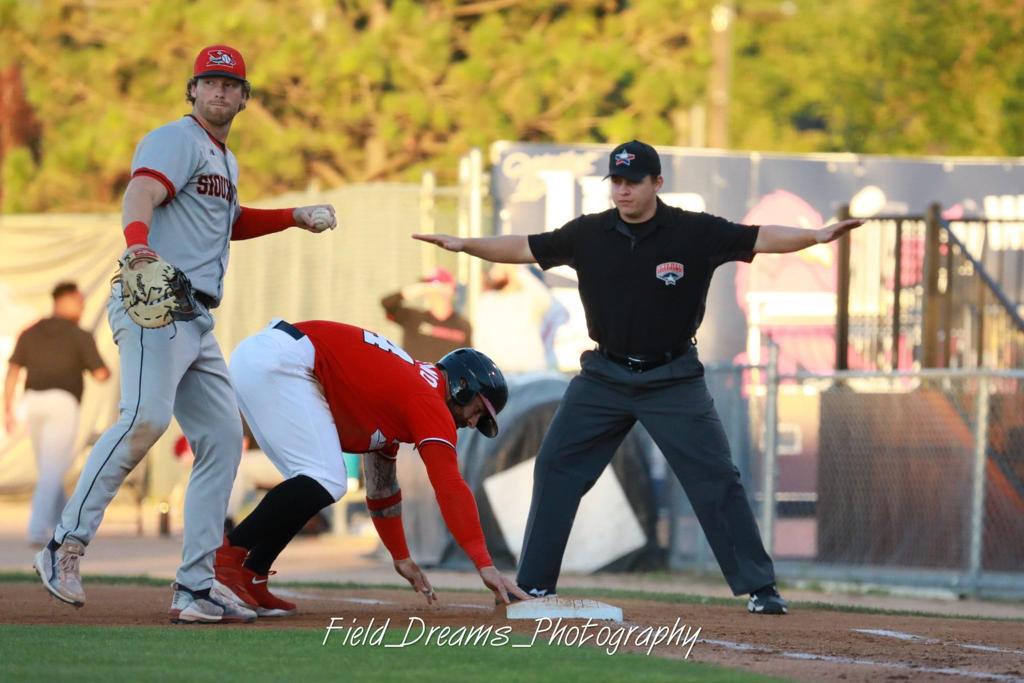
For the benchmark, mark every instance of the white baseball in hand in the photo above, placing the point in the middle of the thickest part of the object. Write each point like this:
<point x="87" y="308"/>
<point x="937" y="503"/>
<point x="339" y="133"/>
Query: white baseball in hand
<point x="321" y="218"/>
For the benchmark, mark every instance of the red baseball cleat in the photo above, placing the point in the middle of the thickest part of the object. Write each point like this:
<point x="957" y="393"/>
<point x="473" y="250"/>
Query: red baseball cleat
<point x="229" y="578"/>
<point x="267" y="604"/>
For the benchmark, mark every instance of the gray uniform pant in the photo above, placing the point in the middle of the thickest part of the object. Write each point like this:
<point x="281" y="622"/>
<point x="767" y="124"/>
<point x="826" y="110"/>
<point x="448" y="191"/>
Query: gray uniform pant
<point x="673" y="404"/>
<point x="179" y="370"/>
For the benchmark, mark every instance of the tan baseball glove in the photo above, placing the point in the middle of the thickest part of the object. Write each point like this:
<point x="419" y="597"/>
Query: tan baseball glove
<point x="153" y="292"/>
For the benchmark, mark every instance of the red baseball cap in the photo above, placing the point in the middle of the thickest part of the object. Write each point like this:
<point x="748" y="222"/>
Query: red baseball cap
<point x="439" y="274"/>
<point x="220" y="60"/>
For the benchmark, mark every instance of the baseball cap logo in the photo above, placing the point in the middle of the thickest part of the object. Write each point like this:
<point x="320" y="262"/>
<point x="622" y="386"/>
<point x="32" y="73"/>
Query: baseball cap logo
<point x="633" y="161"/>
<point x="624" y="157"/>
<point x="219" y="58"/>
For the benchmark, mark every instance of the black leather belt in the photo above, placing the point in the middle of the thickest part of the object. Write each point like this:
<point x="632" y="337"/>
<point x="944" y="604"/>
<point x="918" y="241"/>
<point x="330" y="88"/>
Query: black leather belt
<point x="641" y="362"/>
<point x="290" y="330"/>
<point x="205" y="299"/>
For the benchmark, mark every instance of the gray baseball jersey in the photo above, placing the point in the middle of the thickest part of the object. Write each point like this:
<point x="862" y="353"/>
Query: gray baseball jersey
<point x="176" y="370"/>
<point x="192" y="228"/>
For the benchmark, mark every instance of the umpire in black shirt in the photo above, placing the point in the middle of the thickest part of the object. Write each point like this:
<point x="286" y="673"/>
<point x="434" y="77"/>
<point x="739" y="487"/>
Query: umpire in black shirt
<point x="644" y="270"/>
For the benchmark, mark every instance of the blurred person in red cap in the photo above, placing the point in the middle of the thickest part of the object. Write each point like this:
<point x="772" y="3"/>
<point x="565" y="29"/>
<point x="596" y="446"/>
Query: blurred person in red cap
<point x="180" y="209"/>
<point x="425" y="310"/>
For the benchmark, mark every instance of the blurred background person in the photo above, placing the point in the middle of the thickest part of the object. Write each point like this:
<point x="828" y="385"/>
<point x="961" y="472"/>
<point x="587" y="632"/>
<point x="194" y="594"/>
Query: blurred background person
<point x="431" y="327"/>
<point x="516" y="319"/>
<point x="55" y="352"/>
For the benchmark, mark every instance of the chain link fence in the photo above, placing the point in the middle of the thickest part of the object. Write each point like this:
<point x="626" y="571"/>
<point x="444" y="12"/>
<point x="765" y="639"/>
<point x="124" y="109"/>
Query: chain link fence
<point x="913" y="478"/>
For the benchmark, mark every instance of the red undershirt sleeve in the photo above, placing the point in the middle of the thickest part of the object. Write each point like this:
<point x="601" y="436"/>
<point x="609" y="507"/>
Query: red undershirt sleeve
<point x="458" y="507"/>
<point x="390" y="530"/>
<point x="258" y="222"/>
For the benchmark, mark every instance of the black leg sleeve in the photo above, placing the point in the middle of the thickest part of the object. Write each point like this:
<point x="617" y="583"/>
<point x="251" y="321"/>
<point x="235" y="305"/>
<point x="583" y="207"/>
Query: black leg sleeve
<point x="277" y="519"/>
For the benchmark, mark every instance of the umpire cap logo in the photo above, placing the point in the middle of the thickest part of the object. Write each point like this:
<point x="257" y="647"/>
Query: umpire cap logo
<point x="670" y="273"/>
<point x="624" y="157"/>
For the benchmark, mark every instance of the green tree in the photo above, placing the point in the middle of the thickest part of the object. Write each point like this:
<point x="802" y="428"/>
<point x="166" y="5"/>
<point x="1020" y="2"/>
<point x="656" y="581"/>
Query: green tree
<point x="906" y="77"/>
<point x="353" y="91"/>
<point x="384" y="89"/>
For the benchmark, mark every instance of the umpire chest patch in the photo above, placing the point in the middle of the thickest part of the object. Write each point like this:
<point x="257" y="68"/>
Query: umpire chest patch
<point x="670" y="273"/>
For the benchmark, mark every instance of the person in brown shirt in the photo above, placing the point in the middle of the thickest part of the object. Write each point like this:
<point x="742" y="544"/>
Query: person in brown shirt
<point x="54" y="352"/>
<point x="428" y="333"/>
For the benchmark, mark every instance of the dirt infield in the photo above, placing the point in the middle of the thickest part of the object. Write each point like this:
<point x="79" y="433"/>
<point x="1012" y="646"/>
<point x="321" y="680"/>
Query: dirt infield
<point x="807" y="645"/>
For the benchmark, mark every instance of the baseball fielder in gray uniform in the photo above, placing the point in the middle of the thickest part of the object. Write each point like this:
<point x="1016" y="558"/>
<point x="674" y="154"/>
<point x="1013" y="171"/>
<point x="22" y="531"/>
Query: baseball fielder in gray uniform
<point x="182" y="205"/>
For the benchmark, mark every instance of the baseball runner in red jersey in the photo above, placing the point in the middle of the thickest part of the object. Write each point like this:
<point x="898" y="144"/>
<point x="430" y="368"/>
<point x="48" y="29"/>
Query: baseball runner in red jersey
<point x="180" y="208"/>
<point x="314" y="389"/>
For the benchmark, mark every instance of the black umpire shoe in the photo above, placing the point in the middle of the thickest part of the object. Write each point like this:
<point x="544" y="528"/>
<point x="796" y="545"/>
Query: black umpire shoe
<point x="767" y="601"/>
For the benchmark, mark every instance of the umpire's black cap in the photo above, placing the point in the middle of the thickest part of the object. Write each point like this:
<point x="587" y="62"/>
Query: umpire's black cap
<point x="471" y="374"/>
<point x="634" y="160"/>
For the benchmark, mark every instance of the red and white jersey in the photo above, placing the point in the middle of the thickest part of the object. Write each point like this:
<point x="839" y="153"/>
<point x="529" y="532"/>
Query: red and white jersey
<point x="378" y="394"/>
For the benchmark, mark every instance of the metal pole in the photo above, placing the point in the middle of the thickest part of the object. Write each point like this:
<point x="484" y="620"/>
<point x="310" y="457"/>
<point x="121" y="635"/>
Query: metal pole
<point x="722" y="17"/>
<point x="897" y="287"/>
<point x="947" y="308"/>
<point x="771" y="430"/>
<point x="462" y="259"/>
<point x="843" y="297"/>
<point x="978" y="482"/>
<point x="698" y="126"/>
<point x="476" y="212"/>
<point x="930" y="317"/>
<point x="428" y="223"/>
<point x="980" y="350"/>
<point x="979" y="344"/>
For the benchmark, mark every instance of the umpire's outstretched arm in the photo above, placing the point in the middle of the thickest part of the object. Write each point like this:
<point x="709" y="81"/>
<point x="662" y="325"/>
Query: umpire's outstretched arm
<point x="782" y="239"/>
<point x="498" y="249"/>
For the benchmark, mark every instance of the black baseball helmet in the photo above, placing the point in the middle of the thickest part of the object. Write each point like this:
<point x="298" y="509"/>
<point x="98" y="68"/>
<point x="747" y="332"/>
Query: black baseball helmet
<point x="471" y="373"/>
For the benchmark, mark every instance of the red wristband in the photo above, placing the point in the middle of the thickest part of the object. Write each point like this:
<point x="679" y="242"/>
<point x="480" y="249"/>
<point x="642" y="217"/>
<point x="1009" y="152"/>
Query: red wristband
<point x="376" y="504"/>
<point x="136" y="232"/>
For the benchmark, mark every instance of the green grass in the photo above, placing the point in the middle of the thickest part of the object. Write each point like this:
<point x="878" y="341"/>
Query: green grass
<point x="138" y="580"/>
<point x="222" y="655"/>
<point x="606" y="593"/>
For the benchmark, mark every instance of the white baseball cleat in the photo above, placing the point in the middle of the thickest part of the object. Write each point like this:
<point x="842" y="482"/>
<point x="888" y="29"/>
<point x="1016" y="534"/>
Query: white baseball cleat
<point x="58" y="570"/>
<point x="199" y="607"/>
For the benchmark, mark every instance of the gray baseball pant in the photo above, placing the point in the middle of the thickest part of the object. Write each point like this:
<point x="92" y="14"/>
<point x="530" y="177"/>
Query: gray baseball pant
<point x="174" y="370"/>
<point x="673" y="404"/>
